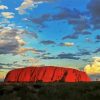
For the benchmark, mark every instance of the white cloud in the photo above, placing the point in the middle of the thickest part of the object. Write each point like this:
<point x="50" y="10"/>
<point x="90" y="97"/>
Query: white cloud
<point x="7" y="15"/>
<point x="69" y="44"/>
<point x="2" y="7"/>
<point x="28" y="4"/>
<point x="20" y="40"/>
<point x="94" y="67"/>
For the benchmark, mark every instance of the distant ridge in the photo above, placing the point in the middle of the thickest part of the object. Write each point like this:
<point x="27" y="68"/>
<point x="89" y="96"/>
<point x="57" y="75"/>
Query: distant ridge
<point x="46" y="74"/>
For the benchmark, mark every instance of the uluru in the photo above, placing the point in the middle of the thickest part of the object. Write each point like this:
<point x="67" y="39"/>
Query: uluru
<point x="46" y="74"/>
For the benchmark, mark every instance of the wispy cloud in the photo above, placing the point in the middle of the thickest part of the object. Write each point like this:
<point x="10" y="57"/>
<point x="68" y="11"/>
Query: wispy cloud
<point x="24" y="50"/>
<point x="47" y="42"/>
<point x="2" y="7"/>
<point x="8" y="15"/>
<point x="68" y="56"/>
<point x="28" y="4"/>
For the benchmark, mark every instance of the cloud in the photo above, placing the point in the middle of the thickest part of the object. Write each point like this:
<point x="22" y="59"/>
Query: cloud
<point x="25" y="4"/>
<point x="80" y="24"/>
<point x="3" y="64"/>
<point x="2" y="7"/>
<point x="98" y="37"/>
<point x="72" y="16"/>
<point x="49" y="57"/>
<point x="47" y="42"/>
<point x="8" y="41"/>
<point x="66" y="13"/>
<point x="97" y="50"/>
<point x="89" y="40"/>
<point x="33" y="60"/>
<point x="30" y="60"/>
<point x="82" y="52"/>
<point x="85" y="33"/>
<point x="33" y="34"/>
<point x="94" y="8"/>
<point x="41" y="20"/>
<point x="68" y="44"/>
<point x="28" y="4"/>
<point x="9" y="48"/>
<point x="62" y="55"/>
<point x="68" y="56"/>
<point x="18" y="62"/>
<point x="1" y="67"/>
<point x="11" y="41"/>
<point x="23" y="50"/>
<point x="7" y="15"/>
<point x="44" y="55"/>
<point x="94" y="67"/>
<point x="76" y="34"/>
<point x="20" y="40"/>
<point x="10" y="66"/>
<point x="2" y="75"/>
<point x="72" y="36"/>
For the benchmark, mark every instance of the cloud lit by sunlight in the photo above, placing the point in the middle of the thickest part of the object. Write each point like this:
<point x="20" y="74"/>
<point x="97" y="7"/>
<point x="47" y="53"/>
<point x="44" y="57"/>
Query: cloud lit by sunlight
<point x="94" y="67"/>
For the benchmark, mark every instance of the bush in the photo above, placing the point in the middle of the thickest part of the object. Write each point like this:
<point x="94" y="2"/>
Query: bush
<point x="50" y="91"/>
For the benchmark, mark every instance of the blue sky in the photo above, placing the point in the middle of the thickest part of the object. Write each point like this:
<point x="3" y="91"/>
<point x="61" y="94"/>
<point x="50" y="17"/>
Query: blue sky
<point x="49" y="32"/>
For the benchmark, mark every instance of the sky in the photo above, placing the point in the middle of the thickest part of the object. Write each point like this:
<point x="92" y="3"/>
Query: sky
<point x="50" y="33"/>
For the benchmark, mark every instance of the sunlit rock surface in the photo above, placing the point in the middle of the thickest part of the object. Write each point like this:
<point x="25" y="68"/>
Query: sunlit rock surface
<point x="46" y="74"/>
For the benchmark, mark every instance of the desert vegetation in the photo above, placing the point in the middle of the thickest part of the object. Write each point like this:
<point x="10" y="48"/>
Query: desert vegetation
<point x="50" y="91"/>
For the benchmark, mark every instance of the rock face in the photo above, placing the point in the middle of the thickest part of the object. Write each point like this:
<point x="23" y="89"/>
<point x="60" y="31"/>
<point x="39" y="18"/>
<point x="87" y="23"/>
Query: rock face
<point x="46" y="74"/>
